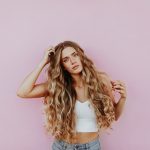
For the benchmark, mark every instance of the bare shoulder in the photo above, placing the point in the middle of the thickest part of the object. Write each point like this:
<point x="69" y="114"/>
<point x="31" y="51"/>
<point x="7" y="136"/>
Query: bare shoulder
<point x="106" y="79"/>
<point x="104" y="75"/>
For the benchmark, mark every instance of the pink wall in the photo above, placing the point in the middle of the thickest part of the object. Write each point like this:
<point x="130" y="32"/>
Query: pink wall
<point x="115" y="34"/>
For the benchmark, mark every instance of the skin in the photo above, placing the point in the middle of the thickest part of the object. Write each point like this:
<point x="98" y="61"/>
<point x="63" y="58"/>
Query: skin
<point x="70" y="58"/>
<point x="29" y="88"/>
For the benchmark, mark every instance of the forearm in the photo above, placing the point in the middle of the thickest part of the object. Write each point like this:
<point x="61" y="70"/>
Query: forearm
<point x="29" y="82"/>
<point x="119" y="107"/>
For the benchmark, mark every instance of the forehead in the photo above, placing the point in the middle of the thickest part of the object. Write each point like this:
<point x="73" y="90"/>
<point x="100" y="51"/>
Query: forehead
<point x="67" y="51"/>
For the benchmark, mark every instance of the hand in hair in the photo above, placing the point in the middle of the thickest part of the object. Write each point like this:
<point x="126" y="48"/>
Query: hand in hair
<point x="48" y="53"/>
<point x="119" y="86"/>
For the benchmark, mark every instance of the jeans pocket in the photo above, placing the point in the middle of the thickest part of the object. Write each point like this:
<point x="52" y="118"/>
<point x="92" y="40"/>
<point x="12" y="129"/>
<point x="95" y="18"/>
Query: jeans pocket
<point x="95" y="146"/>
<point x="56" y="146"/>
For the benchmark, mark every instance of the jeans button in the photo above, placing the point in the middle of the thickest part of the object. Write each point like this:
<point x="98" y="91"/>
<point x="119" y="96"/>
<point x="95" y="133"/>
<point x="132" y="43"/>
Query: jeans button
<point x="65" y="146"/>
<point x="75" y="147"/>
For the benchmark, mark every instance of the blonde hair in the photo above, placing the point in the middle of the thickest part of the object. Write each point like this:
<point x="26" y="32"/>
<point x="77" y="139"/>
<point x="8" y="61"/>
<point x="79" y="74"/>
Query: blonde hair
<point x="59" y="108"/>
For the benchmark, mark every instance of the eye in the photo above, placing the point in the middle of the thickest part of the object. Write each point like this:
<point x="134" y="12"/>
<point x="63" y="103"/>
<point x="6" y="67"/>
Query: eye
<point x="65" y="60"/>
<point x="75" y="54"/>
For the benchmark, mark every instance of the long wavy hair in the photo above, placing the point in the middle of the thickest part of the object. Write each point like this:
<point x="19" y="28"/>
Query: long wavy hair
<point x="60" y="118"/>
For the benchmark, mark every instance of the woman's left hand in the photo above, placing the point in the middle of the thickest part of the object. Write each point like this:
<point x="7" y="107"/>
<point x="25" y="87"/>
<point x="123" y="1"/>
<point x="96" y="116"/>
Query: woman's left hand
<point x="120" y="87"/>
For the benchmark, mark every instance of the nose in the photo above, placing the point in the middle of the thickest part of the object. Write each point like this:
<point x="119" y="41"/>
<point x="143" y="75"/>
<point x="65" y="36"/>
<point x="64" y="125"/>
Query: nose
<point x="72" y="60"/>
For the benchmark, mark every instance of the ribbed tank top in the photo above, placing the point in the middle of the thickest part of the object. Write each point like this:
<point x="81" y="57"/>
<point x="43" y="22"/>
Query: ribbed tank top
<point x="86" y="118"/>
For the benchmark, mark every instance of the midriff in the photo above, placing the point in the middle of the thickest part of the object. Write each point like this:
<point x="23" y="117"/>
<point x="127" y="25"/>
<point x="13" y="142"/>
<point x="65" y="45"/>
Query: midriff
<point x="85" y="137"/>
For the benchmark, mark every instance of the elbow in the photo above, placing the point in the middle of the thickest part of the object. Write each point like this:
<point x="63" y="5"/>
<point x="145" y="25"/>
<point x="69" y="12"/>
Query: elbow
<point x="116" y="118"/>
<point x="117" y="114"/>
<point x="19" y="94"/>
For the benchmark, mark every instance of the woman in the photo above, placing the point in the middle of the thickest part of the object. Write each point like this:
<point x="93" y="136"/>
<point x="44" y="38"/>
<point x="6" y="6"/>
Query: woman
<point x="78" y="99"/>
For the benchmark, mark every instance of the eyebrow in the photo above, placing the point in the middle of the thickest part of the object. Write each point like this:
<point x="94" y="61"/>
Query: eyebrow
<point x="67" y="56"/>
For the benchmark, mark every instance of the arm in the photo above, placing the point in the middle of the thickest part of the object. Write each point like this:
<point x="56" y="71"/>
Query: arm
<point x="28" y="89"/>
<point x="119" y="107"/>
<point x="119" y="86"/>
<point x="112" y="86"/>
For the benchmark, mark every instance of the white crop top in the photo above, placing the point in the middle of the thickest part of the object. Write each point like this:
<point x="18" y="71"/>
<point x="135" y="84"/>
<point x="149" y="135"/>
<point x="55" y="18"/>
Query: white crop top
<point x="86" y="119"/>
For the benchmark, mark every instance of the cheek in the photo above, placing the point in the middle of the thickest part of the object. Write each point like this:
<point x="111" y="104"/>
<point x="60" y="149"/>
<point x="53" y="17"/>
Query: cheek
<point x="66" y="66"/>
<point x="79" y="60"/>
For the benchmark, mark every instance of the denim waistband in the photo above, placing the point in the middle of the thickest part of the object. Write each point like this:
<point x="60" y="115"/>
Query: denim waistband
<point x="83" y="145"/>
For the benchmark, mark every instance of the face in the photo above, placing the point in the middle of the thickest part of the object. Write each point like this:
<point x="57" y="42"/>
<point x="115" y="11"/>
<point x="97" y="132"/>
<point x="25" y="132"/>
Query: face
<point x="70" y="59"/>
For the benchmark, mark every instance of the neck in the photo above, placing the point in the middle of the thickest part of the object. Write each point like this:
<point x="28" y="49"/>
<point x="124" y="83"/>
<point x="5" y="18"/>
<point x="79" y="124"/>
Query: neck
<point x="77" y="81"/>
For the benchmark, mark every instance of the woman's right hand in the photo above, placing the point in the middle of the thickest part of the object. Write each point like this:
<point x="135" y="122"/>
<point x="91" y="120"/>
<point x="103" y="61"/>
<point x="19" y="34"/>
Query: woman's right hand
<point x="49" y="51"/>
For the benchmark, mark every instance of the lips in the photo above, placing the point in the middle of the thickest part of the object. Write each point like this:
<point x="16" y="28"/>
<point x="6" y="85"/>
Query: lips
<point x="75" y="66"/>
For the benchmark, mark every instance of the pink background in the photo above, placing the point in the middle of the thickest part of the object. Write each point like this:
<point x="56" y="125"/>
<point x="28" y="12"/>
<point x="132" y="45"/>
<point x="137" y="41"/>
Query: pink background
<point x="114" y="34"/>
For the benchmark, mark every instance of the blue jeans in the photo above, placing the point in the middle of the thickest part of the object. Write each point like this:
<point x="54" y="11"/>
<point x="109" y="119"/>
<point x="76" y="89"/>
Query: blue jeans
<point x="62" y="145"/>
